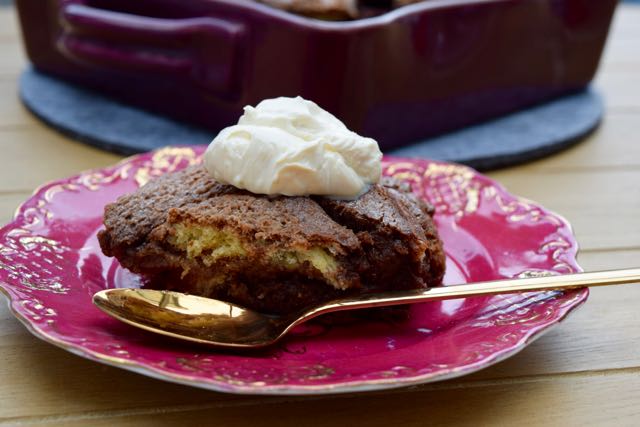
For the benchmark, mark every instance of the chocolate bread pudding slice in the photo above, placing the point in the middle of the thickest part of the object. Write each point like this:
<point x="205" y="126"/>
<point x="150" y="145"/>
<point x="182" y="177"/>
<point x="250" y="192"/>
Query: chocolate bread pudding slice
<point x="186" y="232"/>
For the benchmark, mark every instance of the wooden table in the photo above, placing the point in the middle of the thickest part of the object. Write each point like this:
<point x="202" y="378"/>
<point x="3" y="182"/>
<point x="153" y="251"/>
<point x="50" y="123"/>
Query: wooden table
<point x="586" y="371"/>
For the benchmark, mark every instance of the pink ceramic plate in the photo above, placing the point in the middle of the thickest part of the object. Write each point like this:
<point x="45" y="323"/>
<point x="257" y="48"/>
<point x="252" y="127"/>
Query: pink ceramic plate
<point x="51" y="265"/>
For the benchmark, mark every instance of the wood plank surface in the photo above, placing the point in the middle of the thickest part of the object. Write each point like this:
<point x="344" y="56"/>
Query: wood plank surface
<point x="484" y="404"/>
<point x="586" y="371"/>
<point x="39" y="155"/>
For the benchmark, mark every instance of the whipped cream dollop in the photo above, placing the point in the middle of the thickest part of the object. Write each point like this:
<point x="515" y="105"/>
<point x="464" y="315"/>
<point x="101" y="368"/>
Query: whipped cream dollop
<point x="293" y="147"/>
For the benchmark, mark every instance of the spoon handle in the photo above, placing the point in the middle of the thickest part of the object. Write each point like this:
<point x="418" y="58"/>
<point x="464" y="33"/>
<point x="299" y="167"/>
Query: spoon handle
<point x="540" y="283"/>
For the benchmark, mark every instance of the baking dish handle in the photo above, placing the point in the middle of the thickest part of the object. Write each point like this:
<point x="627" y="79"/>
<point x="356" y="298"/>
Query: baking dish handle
<point x="205" y="49"/>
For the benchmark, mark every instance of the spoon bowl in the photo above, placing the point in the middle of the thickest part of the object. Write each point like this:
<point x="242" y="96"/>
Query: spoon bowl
<point x="192" y="318"/>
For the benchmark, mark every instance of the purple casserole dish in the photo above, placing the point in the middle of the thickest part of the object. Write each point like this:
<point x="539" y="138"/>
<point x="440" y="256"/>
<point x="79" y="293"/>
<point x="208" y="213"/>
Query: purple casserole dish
<point x="410" y="73"/>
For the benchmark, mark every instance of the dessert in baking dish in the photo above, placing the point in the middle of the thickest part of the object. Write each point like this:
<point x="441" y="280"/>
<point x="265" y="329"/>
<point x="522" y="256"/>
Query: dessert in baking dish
<point x="338" y="9"/>
<point x="327" y="9"/>
<point x="288" y="211"/>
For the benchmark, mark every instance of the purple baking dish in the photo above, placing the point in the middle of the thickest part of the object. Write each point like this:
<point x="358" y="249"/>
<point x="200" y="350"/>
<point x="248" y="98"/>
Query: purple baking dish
<point x="410" y="73"/>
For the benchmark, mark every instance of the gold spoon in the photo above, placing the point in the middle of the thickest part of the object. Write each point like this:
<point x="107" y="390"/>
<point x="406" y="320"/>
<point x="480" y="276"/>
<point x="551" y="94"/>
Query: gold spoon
<point x="209" y="321"/>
